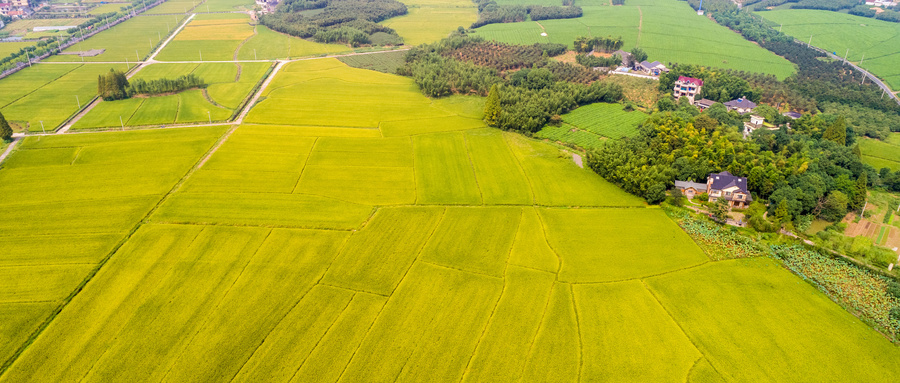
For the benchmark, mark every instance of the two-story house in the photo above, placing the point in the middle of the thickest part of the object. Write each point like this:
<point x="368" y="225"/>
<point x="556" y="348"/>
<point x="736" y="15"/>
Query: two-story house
<point x="687" y="87"/>
<point x="719" y="185"/>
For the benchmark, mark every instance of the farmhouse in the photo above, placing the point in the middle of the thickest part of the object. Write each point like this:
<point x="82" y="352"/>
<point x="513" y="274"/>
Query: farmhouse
<point x="626" y="57"/>
<point x="719" y="185"/>
<point x="704" y="104"/>
<point x="690" y="189"/>
<point x="688" y="87"/>
<point x="741" y="105"/>
<point x="654" y="68"/>
<point x="756" y="122"/>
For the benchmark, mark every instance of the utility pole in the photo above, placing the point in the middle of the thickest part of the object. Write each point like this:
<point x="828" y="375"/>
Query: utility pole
<point x="254" y="54"/>
<point x="126" y="63"/>
<point x="121" y="123"/>
<point x="42" y="127"/>
<point x="201" y="55"/>
<point x="29" y="58"/>
<point x="210" y="116"/>
<point x="810" y="41"/>
<point x="845" y="56"/>
<point x="137" y="55"/>
<point x="78" y="101"/>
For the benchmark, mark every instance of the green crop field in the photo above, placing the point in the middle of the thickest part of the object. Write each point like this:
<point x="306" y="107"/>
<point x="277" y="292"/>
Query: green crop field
<point x="175" y="6"/>
<point x="874" y="42"/>
<point x="132" y="40"/>
<point x="76" y="198"/>
<point x="47" y="92"/>
<point x="107" y="8"/>
<point x="185" y="107"/>
<point x="668" y="30"/>
<point x="267" y="44"/>
<point x="226" y="5"/>
<point x="354" y="230"/>
<point x="209" y="39"/>
<point x="431" y="20"/>
<point x="607" y="120"/>
<point x="881" y="154"/>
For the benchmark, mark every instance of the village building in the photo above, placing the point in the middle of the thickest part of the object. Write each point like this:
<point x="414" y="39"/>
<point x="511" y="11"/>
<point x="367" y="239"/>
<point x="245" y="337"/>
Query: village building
<point x="653" y="68"/>
<point x="723" y="185"/>
<point x="741" y="105"/>
<point x="687" y="87"/>
<point x="755" y="123"/>
<point x="704" y="104"/>
<point x="626" y="57"/>
<point x="792" y="115"/>
<point x="882" y="3"/>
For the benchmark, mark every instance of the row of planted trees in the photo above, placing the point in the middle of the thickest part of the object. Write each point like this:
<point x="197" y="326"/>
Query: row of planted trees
<point x="115" y="86"/>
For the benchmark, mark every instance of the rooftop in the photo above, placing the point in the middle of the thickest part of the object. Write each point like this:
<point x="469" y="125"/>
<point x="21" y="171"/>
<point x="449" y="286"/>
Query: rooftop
<point x="742" y="103"/>
<point x="695" y="81"/>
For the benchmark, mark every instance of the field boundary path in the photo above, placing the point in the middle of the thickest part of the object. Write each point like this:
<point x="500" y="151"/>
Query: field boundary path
<point x="640" y="24"/>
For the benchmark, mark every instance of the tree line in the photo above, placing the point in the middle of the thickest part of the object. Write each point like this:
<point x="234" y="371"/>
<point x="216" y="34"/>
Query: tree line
<point x="351" y="22"/>
<point x="114" y="85"/>
<point x="489" y="12"/>
<point x="584" y="44"/>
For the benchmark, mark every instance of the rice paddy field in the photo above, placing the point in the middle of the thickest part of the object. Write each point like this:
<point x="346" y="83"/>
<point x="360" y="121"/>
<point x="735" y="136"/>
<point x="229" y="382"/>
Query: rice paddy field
<point x="670" y="31"/>
<point x="132" y="40"/>
<point x="226" y="5"/>
<point x="350" y="229"/>
<point x="874" y="42"/>
<point x="431" y="20"/>
<point x="266" y="44"/>
<point x="49" y="93"/>
<point x="881" y="154"/>
<point x="209" y="38"/>
<point x="228" y="85"/>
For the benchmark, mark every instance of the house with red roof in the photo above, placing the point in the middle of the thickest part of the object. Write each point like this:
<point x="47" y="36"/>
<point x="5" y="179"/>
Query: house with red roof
<point x="687" y="87"/>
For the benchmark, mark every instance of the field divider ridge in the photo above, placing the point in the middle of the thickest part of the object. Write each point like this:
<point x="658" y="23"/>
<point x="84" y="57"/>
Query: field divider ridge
<point x="680" y="327"/>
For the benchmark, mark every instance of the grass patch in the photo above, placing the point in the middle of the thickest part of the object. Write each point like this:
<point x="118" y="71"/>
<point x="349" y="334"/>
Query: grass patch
<point x="386" y="62"/>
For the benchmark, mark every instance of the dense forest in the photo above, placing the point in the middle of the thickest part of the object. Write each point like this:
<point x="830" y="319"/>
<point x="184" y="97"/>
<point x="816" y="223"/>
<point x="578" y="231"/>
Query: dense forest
<point x="489" y="12"/>
<point x="530" y="91"/>
<point x="352" y="22"/>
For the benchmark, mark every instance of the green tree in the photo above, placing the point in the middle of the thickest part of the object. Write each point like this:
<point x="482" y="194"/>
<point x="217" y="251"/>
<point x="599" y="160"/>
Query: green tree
<point x="859" y="196"/>
<point x="781" y="212"/>
<point x="835" y="207"/>
<point x="5" y="130"/>
<point x="656" y="193"/>
<point x="492" y="107"/>
<point x="856" y="151"/>
<point x="677" y="197"/>
<point x="893" y="289"/>
<point x="638" y="55"/>
<point x="837" y="132"/>
<point x="719" y="210"/>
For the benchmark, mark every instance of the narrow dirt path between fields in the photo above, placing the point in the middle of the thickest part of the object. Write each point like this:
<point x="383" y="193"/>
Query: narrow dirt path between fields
<point x="640" y="24"/>
<point x="241" y="45"/>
